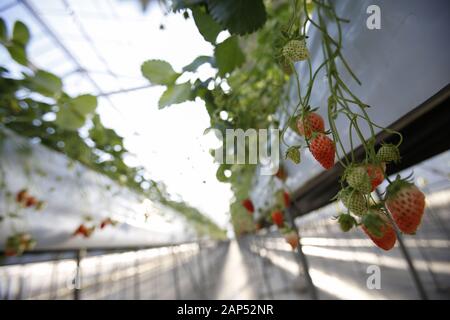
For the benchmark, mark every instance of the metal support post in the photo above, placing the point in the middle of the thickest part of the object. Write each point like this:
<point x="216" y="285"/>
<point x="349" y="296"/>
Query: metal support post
<point x="302" y="257"/>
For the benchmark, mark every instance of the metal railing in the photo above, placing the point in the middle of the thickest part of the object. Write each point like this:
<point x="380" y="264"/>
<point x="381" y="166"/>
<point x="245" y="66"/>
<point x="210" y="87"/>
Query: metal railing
<point x="168" y="272"/>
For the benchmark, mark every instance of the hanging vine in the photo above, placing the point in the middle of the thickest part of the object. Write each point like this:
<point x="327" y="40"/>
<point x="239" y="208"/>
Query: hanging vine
<point x="257" y="91"/>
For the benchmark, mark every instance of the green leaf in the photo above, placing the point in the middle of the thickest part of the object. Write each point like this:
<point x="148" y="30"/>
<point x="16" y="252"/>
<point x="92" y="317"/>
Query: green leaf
<point x="84" y="104"/>
<point x="206" y="25"/>
<point x="21" y="34"/>
<point x="175" y="94"/>
<point x="159" y="72"/>
<point x="200" y="60"/>
<point x="45" y="83"/>
<point x="178" y="5"/>
<point x="3" y="31"/>
<point x="67" y="119"/>
<point x="17" y="52"/>
<point x="228" y="55"/>
<point x="238" y="16"/>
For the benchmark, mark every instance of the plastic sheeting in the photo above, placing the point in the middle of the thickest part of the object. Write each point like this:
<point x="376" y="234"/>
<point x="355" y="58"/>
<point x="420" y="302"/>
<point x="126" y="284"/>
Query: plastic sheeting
<point x="71" y="192"/>
<point x="400" y="66"/>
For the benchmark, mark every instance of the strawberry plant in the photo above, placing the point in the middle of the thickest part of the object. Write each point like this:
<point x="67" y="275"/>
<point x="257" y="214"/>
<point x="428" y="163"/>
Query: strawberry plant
<point x="33" y="104"/>
<point x="249" y="86"/>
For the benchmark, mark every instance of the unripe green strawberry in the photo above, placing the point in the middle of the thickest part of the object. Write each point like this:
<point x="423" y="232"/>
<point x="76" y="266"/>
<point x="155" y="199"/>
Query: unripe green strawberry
<point x="358" y="179"/>
<point x="296" y="50"/>
<point x="346" y="222"/>
<point x="354" y="201"/>
<point x="293" y="153"/>
<point x="388" y="153"/>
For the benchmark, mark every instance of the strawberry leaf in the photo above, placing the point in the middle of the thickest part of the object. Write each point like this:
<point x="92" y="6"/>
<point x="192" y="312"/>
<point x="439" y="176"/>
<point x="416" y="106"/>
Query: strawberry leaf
<point x="228" y="55"/>
<point x="238" y="16"/>
<point x="21" y="34"/>
<point x="200" y="60"/>
<point x="206" y="25"/>
<point x="45" y="83"/>
<point x="175" y="94"/>
<point x="84" y="104"/>
<point x="18" y="54"/>
<point x="3" y="31"/>
<point x="159" y="72"/>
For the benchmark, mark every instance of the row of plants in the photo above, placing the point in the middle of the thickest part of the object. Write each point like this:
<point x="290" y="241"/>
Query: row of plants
<point x="254" y="65"/>
<point x="33" y="104"/>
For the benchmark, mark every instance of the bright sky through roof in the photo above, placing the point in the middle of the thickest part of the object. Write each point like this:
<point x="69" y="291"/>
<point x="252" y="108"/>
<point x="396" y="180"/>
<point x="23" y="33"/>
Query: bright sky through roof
<point x="111" y="39"/>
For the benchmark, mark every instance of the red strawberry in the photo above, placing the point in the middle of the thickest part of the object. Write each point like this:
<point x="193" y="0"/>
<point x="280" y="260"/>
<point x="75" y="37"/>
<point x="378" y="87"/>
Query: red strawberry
<point x="22" y="195"/>
<point x="287" y="199"/>
<point x="406" y="203"/>
<point x="311" y="122"/>
<point x="277" y="218"/>
<point x="376" y="174"/>
<point x="248" y="204"/>
<point x="31" y="201"/>
<point x="379" y="229"/>
<point x="10" y="252"/>
<point x="106" y="222"/>
<point x="84" y="231"/>
<point x="322" y="148"/>
<point x="292" y="238"/>
<point x="281" y="174"/>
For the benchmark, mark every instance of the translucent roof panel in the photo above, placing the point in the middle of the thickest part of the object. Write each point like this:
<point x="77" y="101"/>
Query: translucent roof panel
<point x="98" y="47"/>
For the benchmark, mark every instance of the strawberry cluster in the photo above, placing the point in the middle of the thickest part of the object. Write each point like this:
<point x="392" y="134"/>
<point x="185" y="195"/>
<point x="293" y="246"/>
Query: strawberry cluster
<point x="276" y="216"/>
<point x="403" y="203"/>
<point x="86" y="229"/>
<point x="27" y="201"/>
<point x="311" y="126"/>
<point x="18" y="243"/>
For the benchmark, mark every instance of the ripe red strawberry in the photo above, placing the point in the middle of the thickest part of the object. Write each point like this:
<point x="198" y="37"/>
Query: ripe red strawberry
<point x="292" y="238"/>
<point x="281" y="174"/>
<point x="106" y="222"/>
<point x="277" y="218"/>
<point x="31" y="201"/>
<point x="376" y="174"/>
<point x="379" y="229"/>
<point x="406" y="203"/>
<point x="84" y="231"/>
<point x="311" y="122"/>
<point x="22" y="195"/>
<point x="322" y="148"/>
<point x="287" y="199"/>
<point x="248" y="204"/>
<point x="10" y="252"/>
